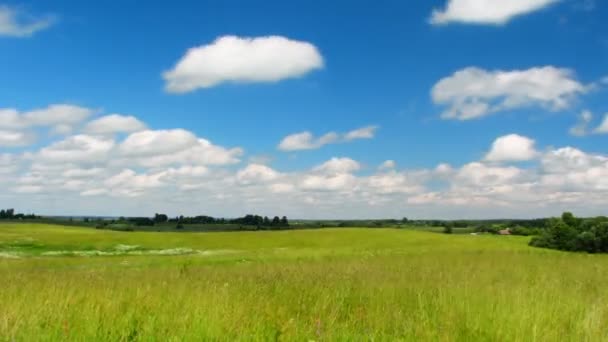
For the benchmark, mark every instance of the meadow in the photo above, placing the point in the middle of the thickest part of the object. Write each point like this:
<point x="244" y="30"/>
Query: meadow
<point x="79" y="284"/>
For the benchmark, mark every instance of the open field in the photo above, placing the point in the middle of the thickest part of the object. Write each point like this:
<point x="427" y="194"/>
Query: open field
<point x="67" y="283"/>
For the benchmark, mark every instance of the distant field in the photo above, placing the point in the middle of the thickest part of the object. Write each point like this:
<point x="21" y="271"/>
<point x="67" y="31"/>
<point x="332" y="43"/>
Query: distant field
<point x="67" y="283"/>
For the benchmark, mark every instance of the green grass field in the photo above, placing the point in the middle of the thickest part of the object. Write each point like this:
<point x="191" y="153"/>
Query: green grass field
<point x="67" y="283"/>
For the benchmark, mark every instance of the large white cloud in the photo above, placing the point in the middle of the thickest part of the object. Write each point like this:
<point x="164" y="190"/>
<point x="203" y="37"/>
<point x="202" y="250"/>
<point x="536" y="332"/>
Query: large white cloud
<point x="180" y="173"/>
<point x="493" y="12"/>
<point x="473" y="92"/>
<point x="307" y="141"/>
<point x="242" y="60"/>
<point x="14" y="23"/>
<point x="512" y="147"/>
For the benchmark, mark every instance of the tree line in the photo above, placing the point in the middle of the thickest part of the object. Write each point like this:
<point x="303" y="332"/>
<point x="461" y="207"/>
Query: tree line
<point x="570" y="233"/>
<point x="9" y="214"/>
<point x="180" y="221"/>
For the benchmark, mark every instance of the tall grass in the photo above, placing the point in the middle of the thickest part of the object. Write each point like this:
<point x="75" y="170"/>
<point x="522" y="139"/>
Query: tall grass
<point x="344" y="284"/>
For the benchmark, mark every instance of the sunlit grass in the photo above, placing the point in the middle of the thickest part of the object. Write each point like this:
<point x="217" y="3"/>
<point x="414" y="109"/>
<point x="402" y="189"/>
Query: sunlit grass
<point x="334" y="284"/>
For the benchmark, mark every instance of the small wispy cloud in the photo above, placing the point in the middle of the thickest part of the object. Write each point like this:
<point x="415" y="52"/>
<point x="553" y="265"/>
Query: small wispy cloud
<point x="16" y="23"/>
<point x="307" y="141"/>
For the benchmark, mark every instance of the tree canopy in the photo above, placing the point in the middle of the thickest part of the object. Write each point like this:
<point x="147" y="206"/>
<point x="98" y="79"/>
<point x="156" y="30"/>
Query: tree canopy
<point x="570" y="233"/>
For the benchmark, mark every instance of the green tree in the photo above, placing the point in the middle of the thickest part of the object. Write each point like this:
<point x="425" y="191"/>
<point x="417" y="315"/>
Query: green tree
<point x="447" y="229"/>
<point x="276" y="221"/>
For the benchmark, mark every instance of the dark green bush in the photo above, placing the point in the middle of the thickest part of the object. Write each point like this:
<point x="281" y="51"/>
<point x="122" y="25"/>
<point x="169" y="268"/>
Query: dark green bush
<point x="569" y="233"/>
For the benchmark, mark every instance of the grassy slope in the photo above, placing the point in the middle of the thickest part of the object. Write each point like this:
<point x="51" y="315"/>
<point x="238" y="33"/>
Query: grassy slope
<point x="340" y="284"/>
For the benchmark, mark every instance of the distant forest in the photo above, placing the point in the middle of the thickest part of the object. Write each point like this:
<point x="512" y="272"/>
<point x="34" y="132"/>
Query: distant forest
<point x="568" y="233"/>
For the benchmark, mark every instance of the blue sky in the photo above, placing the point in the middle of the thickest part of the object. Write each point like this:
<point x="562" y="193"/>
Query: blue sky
<point x="388" y="72"/>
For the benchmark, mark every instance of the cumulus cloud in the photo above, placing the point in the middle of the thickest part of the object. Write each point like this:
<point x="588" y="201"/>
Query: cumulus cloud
<point x="256" y="173"/>
<point x="185" y="174"/>
<point x="570" y="169"/>
<point x="480" y="174"/>
<point x="338" y="166"/>
<point x="14" y="23"/>
<point x="59" y="118"/>
<point x="114" y="123"/>
<point x="131" y="180"/>
<point x="332" y="182"/>
<point x="242" y="60"/>
<point x="161" y="142"/>
<point x="79" y="148"/>
<point x="394" y="182"/>
<point x="176" y="147"/>
<point x="493" y="12"/>
<point x="307" y="141"/>
<point x="512" y="147"/>
<point x="473" y="93"/>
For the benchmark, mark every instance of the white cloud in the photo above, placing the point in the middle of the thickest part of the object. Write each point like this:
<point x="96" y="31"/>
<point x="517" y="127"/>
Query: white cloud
<point x="130" y="184"/>
<point x="13" y="138"/>
<point x="494" y="12"/>
<point x="14" y="23"/>
<point x="338" y="166"/>
<point x="10" y="118"/>
<point x="567" y="159"/>
<point x="114" y="123"/>
<point x="255" y="174"/>
<point x="328" y="182"/>
<point x="154" y="143"/>
<point x="307" y="141"/>
<point x="78" y="148"/>
<point x="361" y="133"/>
<point x="182" y="150"/>
<point x="56" y="114"/>
<point x="443" y="170"/>
<point x="282" y="188"/>
<point x="60" y="118"/>
<point x="8" y="163"/>
<point x="584" y="119"/>
<point x="512" y="147"/>
<point x="394" y="182"/>
<point x="480" y="174"/>
<point x="242" y="60"/>
<point x="199" y="175"/>
<point x="571" y="169"/>
<point x="603" y="127"/>
<point x="473" y="92"/>
<point x="82" y="173"/>
<point x="387" y="165"/>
